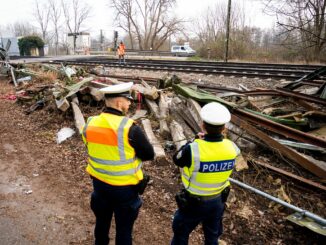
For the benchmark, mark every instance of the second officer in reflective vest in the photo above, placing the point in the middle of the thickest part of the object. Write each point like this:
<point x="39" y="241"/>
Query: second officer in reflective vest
<point x="116" y="147"/>
<point x="206" y="164"/>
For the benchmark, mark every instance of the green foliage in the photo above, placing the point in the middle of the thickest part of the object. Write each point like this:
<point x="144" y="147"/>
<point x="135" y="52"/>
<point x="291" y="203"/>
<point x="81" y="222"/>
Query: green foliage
<point x="27" y="43"/>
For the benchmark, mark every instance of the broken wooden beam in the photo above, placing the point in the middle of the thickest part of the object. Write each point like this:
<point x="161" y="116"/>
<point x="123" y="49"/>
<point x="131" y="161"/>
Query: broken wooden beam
<point x="139" y="114"/>
<point x="150" y="91"/>
<point x="180" y="112"/>
<point x="195" y="109"/>
<point x="13" y="76"/>
<point x="62" y="104"/>
<point x="146" y="90"/>
<point x="139" y="88"/>
<point x="164" y="112"/>
<point x="96" y="94"/>
<point x="78" y="115"/>
<point x="153" y="107"/>
<point x="176" y="114"/>
<point x="177" y="134"/>
<point x="160" y="156"/>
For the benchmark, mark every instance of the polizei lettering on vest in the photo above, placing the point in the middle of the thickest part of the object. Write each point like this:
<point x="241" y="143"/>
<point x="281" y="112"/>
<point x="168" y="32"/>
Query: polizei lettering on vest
<point x="219" y="166"/>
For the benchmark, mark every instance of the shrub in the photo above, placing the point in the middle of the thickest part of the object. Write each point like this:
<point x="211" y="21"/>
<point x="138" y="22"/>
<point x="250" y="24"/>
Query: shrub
<point x="27" y="43"/>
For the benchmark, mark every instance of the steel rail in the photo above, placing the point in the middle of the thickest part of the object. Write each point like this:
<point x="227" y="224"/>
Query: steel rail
<point x="208" y="63"/>
<point x="199" y="66"/>
<point x="303" y="212"/>
<point x="186" y="69"/>
<point x="270" y="92"/>
<point x="207" y="86"/>
<point x="305" y="97"/>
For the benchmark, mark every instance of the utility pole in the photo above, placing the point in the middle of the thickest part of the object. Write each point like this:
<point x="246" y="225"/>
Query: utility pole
<point x="101" y="39"/>
<point x="115" y="40"/>
<point x="75" y="34"/>
<point x="227" y="32"/>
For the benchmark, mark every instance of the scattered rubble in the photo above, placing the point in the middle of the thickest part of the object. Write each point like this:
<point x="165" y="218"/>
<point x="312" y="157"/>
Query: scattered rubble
<point x="285" y="125"/>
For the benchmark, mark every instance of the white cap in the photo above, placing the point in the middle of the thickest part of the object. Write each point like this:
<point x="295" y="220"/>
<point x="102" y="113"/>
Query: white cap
<point x="118" y="90"/>
<point x="215" y="114"/>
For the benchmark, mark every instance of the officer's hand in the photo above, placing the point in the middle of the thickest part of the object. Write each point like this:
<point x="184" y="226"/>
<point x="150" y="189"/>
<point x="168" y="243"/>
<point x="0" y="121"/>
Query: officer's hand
<point x="200" y="135"/>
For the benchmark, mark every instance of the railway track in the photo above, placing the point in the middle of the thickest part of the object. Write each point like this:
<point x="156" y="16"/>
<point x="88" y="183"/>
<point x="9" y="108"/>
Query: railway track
<point x="275" y="71"/>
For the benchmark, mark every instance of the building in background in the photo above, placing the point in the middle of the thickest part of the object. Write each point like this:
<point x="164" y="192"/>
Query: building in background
<point x="13" y="48"/>
<point x="82" y="41"/>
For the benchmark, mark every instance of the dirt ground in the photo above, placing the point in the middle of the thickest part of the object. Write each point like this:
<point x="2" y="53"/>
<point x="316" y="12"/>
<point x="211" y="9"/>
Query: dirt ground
<point x="45" y="191"/>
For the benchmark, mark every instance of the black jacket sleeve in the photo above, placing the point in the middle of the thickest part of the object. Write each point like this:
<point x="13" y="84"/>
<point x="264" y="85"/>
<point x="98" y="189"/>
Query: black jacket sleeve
<point x="138" y="140"/>
<point x="182" y="158"/>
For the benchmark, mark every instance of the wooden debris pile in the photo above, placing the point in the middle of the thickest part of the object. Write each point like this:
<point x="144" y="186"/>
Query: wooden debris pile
<point x="287" y="121"/>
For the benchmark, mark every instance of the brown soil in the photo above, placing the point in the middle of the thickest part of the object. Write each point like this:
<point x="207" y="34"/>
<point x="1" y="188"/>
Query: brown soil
<point x="44" y="190"/>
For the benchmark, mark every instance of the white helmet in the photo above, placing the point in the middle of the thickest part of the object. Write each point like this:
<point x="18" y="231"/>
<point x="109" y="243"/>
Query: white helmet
<point x="122" y="89"/>
<point x="215" y="114"/>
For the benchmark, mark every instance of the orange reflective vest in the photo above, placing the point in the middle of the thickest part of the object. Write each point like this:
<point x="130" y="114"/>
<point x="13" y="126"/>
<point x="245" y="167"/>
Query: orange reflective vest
<point x="121" y="49"/>
<point x="111" y="158"/>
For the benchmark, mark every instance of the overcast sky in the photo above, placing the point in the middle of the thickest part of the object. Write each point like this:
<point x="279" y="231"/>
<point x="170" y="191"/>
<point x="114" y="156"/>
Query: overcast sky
<point x="102" y="17"/>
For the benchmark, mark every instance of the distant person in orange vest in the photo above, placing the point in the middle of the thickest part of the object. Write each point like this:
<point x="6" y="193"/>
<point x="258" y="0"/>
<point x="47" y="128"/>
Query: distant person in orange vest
<point x="121" y="52"/>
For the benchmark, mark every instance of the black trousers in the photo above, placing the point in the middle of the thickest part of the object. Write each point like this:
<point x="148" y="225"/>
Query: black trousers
<point x="122" y="201"/>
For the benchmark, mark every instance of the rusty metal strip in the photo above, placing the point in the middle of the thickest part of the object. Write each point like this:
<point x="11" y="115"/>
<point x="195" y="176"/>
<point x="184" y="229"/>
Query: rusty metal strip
<point x="279" y="128"/>
<point x="304" y="104"/>
<point x="285" y="93"/>
<point x="286" y="173"/>
<point x="284" y="150"/>
<point x="270" y="92"/>
<point x="305" y="97"/>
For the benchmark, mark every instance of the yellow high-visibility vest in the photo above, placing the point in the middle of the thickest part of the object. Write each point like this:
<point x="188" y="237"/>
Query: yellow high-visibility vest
<point x="111" y="158"/>
<point x="211" y="165"/>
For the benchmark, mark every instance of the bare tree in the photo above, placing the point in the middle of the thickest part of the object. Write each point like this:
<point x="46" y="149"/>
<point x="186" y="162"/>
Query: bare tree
<point x="21" y="29"/>
<point x="146" y="22"/>
<point x="303" y="23"/>
<point x="41" y="14"/>
<point x="211" y="24"/>
<point x="55" y="14"/>
<point x="210" y="30"/>
<point x="75" y="15"/>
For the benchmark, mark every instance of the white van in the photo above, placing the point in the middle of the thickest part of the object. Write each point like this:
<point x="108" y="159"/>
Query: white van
<point x="182" y="50"/>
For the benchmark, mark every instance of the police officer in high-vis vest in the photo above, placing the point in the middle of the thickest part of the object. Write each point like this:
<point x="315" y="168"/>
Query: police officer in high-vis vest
<point x="206" y="164"/>
<point x="116" y="147"/>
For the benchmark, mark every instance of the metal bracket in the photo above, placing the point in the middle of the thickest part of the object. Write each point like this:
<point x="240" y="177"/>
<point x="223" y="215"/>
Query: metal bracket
<point x="302" y="220"/>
